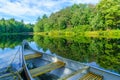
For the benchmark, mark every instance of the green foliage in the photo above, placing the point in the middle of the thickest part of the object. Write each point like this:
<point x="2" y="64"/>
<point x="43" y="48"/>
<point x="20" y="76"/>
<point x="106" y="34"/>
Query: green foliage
<point x="67" y="26"/>
<point x="69" y="17"/>
<point x="12" y="26"/>
<point x="103" y="16"/>
<point x="107" y="15"/>
<point x="103" y="34"/>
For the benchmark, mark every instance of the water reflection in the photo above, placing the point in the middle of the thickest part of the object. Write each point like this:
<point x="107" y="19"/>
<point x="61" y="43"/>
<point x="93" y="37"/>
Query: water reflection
<point x="104" y="52"/>
<point x="10" y="52"/>
<point x="97" y="52"/>
<point x="12" y="40"/>
<point x="10" y="57"/>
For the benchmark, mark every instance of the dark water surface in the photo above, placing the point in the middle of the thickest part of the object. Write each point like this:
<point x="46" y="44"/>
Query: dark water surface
<point x="99" y="52"/>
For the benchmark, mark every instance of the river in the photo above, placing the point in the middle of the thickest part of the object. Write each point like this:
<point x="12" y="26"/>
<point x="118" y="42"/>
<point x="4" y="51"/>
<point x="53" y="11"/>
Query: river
<point x="98" y="52"/>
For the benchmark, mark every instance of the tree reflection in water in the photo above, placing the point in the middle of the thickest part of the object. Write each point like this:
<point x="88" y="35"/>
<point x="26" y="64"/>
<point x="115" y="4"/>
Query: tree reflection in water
<point x="105" y="52"/>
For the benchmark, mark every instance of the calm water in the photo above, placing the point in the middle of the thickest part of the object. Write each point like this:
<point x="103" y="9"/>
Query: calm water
<point x="10" y="52"/>
<point x="99" y="52"/>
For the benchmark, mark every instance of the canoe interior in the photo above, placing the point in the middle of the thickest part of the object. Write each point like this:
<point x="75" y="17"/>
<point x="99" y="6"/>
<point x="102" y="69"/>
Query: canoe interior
<point x="31" y="56"/>
<point x="57" y="73"/>
<point x="47" y="68"/>
<point x="91" y="76"/>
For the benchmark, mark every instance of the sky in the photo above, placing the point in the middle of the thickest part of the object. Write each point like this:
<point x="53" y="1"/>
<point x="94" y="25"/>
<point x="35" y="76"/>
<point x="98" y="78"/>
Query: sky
<point x="30" y="10"/>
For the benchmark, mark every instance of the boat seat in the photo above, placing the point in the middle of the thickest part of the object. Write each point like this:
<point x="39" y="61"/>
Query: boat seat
<point x="91" y="76"/>
<point x="74" y="73"/>
<point x="47" y="68"/>
<point x="31" y="56"/>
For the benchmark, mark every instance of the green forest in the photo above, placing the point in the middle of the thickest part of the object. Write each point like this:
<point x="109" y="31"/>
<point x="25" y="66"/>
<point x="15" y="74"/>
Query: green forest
<point x="65" y="33"/>
<point x="76" y="19"/>
<point x="70" y="33"/>
<point x="104" y="16"/>
<point x="13" y="26"/>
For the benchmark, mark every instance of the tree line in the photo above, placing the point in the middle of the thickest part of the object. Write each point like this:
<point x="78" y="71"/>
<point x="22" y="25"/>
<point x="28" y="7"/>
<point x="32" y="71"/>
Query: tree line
<point x="87" y="17"/>
<point x="79" y="17"/>
<point x="13" y="26"/>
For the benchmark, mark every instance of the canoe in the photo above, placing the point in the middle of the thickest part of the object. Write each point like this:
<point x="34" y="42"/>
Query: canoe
<point x="42" y="66"/>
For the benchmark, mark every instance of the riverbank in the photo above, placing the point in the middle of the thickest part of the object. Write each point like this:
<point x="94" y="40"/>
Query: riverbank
<point x="71" y="33"/>
<point x="102" y="34"/>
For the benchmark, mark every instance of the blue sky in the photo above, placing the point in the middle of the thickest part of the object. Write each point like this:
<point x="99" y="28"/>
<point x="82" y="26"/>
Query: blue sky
<point x="30" y="10"/>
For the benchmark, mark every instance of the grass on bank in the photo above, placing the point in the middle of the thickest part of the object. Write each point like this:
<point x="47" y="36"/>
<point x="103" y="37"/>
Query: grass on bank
<point x="102" y="34"/>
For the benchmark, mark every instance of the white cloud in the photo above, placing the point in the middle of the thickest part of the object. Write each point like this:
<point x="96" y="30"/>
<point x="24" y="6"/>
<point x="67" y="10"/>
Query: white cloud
<point x="84" y="1"/>
<point x="31" y="9"/>
<point x="19" y="9"/>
